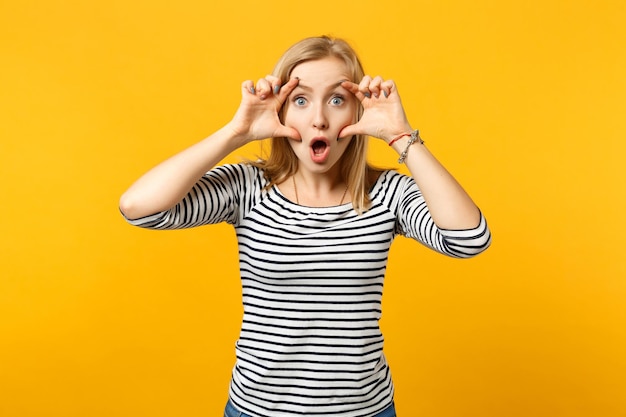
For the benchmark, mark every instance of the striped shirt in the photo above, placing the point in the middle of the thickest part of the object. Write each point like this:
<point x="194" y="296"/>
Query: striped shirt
<point x="312" y="277"/>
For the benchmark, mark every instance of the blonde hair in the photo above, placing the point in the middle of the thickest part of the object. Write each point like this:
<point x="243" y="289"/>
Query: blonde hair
<point x="282" y="162"/>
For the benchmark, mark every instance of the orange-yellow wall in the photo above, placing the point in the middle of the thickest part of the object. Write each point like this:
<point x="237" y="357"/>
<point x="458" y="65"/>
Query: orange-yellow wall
<point x="525" y="102"/>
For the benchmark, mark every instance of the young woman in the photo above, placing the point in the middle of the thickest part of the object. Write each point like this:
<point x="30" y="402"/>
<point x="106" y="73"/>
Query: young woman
<point x="314" y="224"/>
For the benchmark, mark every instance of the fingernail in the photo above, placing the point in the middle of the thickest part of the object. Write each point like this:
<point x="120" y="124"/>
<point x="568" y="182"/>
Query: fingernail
<point x="252" y="90"/>
<point x="368" y="95"/>
<point x="385" y="93"/>
<point x="276" y="89"/>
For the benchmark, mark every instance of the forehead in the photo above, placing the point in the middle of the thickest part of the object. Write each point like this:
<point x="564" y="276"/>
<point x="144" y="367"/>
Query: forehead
<point x="325" y="71"/>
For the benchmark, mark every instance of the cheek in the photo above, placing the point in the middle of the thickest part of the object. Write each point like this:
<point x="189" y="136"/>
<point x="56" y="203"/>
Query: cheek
<point x="295" y="120"/>
<point x="346" y="117"/>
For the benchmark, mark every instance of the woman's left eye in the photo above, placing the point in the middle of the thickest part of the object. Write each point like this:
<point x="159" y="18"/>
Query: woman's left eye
<point x="336" y="100"/>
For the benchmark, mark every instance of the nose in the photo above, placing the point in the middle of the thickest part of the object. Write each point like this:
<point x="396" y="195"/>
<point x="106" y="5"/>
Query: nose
<point x="320" y="120"/>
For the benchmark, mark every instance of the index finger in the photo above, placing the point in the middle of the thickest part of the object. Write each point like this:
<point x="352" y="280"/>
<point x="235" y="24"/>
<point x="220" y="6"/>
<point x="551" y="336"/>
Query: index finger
<point x="354" y="89"/>
<point x="287" y="88"/>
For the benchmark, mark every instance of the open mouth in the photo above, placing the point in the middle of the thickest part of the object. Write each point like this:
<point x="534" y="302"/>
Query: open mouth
<point x="320" y="148"/>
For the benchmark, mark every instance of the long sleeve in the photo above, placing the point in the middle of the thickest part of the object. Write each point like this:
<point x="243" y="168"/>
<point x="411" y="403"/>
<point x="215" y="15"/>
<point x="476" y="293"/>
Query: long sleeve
<point x="414" y="221"/>
<point x="221" y="195"/>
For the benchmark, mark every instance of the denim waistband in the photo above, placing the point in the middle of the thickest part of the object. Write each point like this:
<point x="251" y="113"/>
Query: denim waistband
<point x="388" y="412"/>
<point x="231" y="411"/>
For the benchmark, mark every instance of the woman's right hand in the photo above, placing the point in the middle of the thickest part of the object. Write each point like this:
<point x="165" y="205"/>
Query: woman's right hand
<point x="257" y="116"/>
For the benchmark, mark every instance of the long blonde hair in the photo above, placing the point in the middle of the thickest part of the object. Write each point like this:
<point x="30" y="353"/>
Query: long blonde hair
<point x="282" y="162"/>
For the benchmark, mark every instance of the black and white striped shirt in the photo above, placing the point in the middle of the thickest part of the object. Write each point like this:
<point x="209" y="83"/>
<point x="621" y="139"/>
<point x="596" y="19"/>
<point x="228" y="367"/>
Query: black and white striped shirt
<point x="312" y="278"/>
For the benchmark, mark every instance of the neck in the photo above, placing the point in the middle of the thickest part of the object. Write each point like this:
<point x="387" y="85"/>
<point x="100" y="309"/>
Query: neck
<point x="316" y="193"/>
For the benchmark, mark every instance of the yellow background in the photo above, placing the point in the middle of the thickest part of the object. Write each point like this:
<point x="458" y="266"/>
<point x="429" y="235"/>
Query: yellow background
<point x="525" y="102"/>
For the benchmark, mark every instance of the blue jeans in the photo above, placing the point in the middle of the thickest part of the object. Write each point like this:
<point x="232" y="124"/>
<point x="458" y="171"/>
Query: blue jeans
<point x="231" y="411"/>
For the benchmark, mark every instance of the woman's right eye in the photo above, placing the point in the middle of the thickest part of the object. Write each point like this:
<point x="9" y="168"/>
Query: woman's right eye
<point x="299" y="101"/>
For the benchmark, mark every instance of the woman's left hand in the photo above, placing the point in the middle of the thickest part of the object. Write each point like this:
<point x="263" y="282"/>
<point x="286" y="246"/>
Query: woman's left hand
<point x="383" y="115"/>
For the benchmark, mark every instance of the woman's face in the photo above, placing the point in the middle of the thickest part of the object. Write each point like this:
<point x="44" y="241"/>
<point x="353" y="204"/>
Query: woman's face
<point x="318" y="108"/>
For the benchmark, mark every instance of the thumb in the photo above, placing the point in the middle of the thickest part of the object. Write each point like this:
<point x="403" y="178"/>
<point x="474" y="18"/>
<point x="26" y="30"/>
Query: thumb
<point x="349" y="130"/>
<point x="287" y="132"/>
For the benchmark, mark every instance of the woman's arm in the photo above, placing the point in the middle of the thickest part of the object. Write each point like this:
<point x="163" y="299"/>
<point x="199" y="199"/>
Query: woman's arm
<point x="166" y="184"/>
<point x="384" y="117"/>
<point x="449" y="204"/>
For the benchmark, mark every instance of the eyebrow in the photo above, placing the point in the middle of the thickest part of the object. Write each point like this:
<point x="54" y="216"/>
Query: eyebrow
<point x="307" y="88"/>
